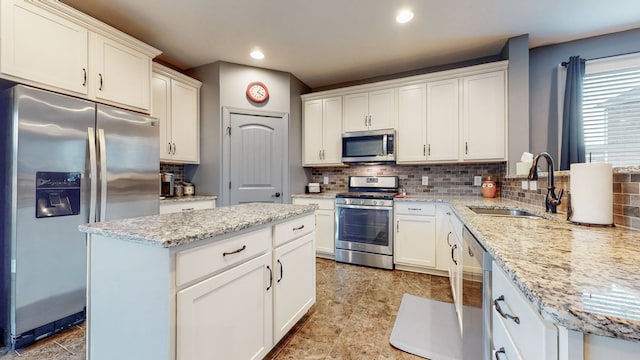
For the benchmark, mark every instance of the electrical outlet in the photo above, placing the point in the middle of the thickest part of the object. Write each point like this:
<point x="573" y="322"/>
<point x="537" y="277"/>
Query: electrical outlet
<point x="326" y="180"/>
<point x="525" y="185"/>
<point x="425" y="180"/>
<point x="533" y="185"/>
<point x="477" y="180"/>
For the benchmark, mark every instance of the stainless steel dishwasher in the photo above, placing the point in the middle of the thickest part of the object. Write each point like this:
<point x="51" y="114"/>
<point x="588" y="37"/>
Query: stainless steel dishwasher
<point x="476" y="325"/>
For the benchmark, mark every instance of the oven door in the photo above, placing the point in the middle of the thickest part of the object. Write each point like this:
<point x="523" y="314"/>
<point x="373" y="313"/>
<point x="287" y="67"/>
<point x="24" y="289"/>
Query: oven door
<point x="364" y="228"/>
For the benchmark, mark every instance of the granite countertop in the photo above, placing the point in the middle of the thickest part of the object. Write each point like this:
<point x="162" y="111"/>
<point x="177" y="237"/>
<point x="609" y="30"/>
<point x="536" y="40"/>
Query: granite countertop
<point x="169" y="230"/>
<point x="187" y="198"/>
<point x="584" y="278"/>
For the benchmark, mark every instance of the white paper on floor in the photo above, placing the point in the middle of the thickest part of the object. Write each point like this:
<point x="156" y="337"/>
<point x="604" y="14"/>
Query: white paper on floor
<point x="427" y="328"/>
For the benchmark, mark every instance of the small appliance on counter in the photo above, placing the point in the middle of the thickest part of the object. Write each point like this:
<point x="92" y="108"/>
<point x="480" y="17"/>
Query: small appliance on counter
<point x="167" y="184"/>
<point x="313" y="188"/>
<point x="188" y="188"/>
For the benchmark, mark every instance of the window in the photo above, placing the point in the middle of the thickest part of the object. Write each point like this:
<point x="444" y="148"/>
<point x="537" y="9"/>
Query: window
<point x="611" y="110"/>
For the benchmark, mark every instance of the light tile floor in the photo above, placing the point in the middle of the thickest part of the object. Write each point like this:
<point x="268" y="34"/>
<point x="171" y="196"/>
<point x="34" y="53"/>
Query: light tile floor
<point x="352" y="318"/>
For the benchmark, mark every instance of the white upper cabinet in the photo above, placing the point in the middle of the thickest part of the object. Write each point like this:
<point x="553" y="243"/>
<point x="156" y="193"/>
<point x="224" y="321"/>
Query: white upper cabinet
<point x="42" y="47"/>
<point x="122" y="74"/>
<point x="53" y="46"/>
<point x="412" y="124"/>
<point x="442" y="120"/>
<point x="484" y="116"/>
<point x="322" y="131"/>
<point x="176" y="104"/>
<point x="372" y="110"/>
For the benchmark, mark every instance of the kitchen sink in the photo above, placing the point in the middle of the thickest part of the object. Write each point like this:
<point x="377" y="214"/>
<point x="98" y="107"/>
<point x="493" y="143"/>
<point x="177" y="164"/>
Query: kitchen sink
<point x="504" y="212"/>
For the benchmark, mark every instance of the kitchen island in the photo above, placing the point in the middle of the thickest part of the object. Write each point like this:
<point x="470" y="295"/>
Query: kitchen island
<point x="220" y="283"/>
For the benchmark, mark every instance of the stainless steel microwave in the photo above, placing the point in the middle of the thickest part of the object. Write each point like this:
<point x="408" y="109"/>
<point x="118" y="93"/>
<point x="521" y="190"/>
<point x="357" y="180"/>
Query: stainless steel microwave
<point x="369" y="146"/>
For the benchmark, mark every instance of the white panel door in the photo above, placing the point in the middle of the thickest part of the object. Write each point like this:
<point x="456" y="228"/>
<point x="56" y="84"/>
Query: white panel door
<point x="412" y="123"/>
<point x="122" y="74"/>
<point x="295" y="283"/>
<point x="227" y="316"/>
<point x="313" y="130"/>
<point x="42" y="47"/>
<point x="184" y="122"/>
<point x="484" y="116"/>
<point x="161" y="109"/>
<point x="332" y="120"/>
<point x="442" y="120"/>
<point x="415" y="240"/>
<point x="257" y="158"/>
<point x="356" y="112"/>
<point x="382" y="109"/>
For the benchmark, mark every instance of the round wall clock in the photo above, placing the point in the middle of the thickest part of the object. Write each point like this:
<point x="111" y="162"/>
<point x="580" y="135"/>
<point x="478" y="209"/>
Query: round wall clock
<point x="257" y="92"/>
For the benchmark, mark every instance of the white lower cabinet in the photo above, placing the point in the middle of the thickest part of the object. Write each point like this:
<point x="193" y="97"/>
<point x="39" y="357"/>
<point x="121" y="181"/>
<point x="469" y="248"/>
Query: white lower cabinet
<point x="517" y="328"/>
<point x="415" y="235"/>
<point x="325" y="224"/>
<point x="294" y="272"/>
<point x="455" y="272"/>
<point x="227" y="316"/>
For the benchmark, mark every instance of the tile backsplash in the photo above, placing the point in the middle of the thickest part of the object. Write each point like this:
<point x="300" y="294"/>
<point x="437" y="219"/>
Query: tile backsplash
<point x="443" y="179"/>
<point x="626" y="193"/>
<point x="176" y="169"/>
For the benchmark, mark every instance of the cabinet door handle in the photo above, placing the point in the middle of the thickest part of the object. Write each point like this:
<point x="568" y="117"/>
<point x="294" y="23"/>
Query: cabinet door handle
<point x="424" y="150"/>
<point x="169" y="148"/>
<point x="500" y="351"/>
<point x="234" y="251"/>
<point x="466" y="148"/>
<point x="448" y="235"/>
<point x="84" y="77"/>
<point x="281" y="270"/>
<point x="453" y="250"/>
<point x="397" y="225"/>
<point x="502" y="313"/>
<point x="298" y="228"/>
<point x="320" y="154"/>
<point x="429" y="150"/>
<point x="270" y="277"/>
<point x="365" y="120"/>
<point x="174" y="148"/>
<point x="100" y="87"/>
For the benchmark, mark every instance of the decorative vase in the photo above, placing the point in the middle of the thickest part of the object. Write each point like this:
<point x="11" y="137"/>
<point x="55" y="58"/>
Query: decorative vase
<point x="489" y="188"/>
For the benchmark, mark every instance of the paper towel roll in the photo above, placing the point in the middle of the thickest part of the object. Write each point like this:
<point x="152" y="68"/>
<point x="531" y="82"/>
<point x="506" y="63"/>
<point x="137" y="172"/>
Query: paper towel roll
<point x="592" y="193"/>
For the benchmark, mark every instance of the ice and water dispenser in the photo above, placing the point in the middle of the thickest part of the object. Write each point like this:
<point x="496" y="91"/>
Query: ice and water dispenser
<point x="57" y="194"/>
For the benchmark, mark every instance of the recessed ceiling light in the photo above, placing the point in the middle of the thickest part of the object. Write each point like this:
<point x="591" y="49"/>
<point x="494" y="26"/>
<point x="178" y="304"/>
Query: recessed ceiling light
<point x="257" y="54"/>
<point x="404" y="16"/>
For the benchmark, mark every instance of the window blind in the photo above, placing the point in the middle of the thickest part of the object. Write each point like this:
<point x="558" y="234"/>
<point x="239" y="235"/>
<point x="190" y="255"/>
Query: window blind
<point x="611" y="113"/>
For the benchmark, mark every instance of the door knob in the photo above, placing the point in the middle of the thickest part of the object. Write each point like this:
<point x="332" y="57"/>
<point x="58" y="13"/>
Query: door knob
<point x="276" y="195"/>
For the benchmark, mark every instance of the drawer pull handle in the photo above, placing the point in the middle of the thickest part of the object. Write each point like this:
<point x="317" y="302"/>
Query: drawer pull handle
<point x="414" y="209"/>
<point x="281" y="270"/>
<point x="298" y="228"/>
<point x="235" y="251"/>
<point x="500" y="351"/>
<point x="314" y="204"/>
<point x="188" y="209"/>
<point x="502" y="313"/>
<point x="270" y="277"/>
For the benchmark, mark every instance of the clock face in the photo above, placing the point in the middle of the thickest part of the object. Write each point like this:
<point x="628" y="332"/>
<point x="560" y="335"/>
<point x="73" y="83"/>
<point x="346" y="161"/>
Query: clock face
<point x="257" y="92"/>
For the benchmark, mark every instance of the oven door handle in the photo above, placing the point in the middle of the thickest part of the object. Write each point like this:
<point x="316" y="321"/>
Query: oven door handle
<point x="365" y="207"/>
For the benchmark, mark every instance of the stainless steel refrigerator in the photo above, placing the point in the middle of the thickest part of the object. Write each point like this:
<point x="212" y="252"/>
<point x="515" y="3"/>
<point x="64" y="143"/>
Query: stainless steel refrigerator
<point x="67" y="162"/>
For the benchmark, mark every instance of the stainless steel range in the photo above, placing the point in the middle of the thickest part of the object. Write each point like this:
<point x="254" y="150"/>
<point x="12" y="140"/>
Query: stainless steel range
<point x="364" y="221"/>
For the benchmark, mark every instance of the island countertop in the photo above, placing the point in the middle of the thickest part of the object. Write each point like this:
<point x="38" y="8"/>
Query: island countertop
<point x="169" y="230"/>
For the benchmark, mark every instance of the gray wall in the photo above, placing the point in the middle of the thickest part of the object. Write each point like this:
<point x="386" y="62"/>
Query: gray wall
<point x="543" y="62"/>
<point x="224" y="85"/>
<point x="516" y="51"/>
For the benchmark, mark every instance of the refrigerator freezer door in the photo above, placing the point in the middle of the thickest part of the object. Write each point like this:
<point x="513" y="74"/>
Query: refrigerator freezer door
<point x="128" y="147"/>
<point x="49" y="253"/>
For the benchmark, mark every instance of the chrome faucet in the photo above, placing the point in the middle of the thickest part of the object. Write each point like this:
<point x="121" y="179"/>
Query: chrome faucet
<point x="551" y="200"/>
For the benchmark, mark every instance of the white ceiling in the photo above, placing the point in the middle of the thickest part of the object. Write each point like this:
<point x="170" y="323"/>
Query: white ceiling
<point x="325" y="42"/>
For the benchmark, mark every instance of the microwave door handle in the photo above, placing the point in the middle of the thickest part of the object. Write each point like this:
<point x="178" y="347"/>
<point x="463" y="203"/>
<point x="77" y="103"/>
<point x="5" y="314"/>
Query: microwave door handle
<point x="384" y="145"/>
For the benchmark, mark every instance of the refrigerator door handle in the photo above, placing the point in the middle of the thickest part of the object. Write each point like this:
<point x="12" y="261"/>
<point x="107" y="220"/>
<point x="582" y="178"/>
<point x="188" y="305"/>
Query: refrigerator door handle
<point x="103" y="175"/>
<point x="93" y="165"/>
